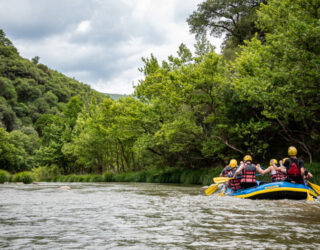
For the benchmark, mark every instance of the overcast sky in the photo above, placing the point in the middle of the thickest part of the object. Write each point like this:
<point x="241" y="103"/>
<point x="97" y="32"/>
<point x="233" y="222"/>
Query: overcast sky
<point x="98" y="42"/>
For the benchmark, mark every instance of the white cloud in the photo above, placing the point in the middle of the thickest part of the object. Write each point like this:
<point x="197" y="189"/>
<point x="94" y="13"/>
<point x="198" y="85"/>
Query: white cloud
<point x="99" y="42"/>
<point x="84" y="26"/>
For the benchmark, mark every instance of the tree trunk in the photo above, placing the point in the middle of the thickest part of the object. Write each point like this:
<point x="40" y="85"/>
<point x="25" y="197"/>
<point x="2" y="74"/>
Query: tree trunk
<point x="133" y="162"/>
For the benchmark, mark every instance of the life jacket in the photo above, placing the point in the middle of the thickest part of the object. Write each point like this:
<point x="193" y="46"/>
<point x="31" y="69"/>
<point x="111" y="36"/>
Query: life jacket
<point x="226" y="171"/>
<point x="235" y="184"/>
<point x="249" y="174"/>
<point x="293" y="171"/>
<point x="278" y="176"/>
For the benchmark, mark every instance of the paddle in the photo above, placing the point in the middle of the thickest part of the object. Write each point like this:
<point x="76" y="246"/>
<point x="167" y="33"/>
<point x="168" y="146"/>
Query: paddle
<point x="315" y="187"/>
<point x="210" y="190"/>
<point x="221" y="179"/>
<point x="222" y="193"/>
<point x="309" y="197"/>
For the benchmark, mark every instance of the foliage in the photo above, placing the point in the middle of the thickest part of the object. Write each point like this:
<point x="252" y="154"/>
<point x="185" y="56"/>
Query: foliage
<point x="169" y="175"/>
<point x="26" y="177"/>
<point x="108" y="177"/>
<point x="4" y="176"/>
<point x="189" y="113"/>
<point x="233" y="18"/>
<point x="280" y="78"/>
<point x="43" y="173"/>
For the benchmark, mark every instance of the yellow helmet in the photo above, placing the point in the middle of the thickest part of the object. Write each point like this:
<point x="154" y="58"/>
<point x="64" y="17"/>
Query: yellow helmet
<point x="292" y="151"/>
<point x="233" y="163"/>
<point x="247" y="158"/>
<point x="284" y="159"/>
<point x="274" y="160"/>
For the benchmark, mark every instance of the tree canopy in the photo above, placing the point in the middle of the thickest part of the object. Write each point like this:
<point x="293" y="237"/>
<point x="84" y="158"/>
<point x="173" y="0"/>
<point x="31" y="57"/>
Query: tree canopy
<point x="233" y="18"/>
<point x="193" y="110"/>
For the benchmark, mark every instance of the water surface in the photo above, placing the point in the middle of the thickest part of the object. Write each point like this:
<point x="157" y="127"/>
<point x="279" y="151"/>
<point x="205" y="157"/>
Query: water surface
<point x="149" y="216"/>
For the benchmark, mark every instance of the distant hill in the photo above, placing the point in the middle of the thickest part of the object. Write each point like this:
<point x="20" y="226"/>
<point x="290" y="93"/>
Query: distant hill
<point x="115" y="96"/>
<point x="29" y="89"/>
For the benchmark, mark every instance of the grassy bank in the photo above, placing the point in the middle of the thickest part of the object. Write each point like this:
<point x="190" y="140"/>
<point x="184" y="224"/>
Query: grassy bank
<point x="170" y="175"/>
<point x="178" y="176"/>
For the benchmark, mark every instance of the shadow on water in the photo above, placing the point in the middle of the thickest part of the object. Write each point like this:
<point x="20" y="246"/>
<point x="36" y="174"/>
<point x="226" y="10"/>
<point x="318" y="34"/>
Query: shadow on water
<point x="149" y="216"/>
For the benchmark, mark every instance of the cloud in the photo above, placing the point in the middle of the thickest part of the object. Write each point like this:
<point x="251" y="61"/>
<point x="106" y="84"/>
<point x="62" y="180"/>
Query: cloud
<point x="98" y="42"/>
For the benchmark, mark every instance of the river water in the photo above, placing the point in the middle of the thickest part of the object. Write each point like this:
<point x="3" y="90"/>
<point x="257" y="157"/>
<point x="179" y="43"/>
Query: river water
<point x="149" y="216"/>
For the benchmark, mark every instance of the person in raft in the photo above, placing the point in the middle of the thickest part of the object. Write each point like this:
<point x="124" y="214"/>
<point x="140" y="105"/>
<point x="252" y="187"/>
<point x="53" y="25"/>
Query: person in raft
<point x="248" y="170"/>
<point x="229" y="171"/>
<point x="232" y="164"/>
<point x="276" y="171"/>
<point x="294" y="167"/>
<point x="283" y="170"/>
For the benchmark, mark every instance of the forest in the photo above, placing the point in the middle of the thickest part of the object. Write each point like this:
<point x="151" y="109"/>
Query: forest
<point x="195" y="110"/>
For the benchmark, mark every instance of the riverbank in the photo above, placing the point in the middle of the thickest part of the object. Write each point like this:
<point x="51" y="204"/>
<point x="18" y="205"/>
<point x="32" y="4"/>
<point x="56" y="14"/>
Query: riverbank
<point x="169" y="175"/>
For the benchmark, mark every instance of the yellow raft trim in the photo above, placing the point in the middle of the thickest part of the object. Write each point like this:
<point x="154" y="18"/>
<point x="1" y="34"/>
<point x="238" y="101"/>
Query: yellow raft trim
<point x="270" y="190"/>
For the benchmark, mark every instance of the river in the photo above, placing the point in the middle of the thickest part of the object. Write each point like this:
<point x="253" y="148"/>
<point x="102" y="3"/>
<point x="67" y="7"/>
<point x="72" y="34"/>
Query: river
<point x="149" y="216"/>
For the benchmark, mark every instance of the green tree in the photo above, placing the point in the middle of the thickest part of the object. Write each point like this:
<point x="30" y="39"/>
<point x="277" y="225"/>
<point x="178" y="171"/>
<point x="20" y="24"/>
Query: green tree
<point x="233" y="18"/>
<point x="281" y="77"/>
<point x="16" y="150"/>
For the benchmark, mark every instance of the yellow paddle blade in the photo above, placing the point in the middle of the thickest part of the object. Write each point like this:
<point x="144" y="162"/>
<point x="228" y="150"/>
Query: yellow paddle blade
<point x="309" y="197"/>
<point x="210" y="190"/>
<point x="221" y="179"/>
<point x="222" y="193"/>
<point x="315" y="187"/>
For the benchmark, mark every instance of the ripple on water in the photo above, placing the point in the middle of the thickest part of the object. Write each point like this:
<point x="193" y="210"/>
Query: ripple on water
<point x="149" y="216"/>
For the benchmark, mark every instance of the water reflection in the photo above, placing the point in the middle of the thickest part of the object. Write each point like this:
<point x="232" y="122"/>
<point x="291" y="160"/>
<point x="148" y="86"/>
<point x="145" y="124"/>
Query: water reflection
<point x="149" y="216"/>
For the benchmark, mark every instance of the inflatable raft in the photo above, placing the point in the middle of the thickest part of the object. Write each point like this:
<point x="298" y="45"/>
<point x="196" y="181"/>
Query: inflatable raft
<point x="274" y="191"/>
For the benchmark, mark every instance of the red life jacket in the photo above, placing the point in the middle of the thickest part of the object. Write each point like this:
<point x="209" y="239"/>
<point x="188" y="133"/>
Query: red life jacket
<point x="278" y="176"/>
<point x="235" y="184"/>
<point x="249" y="174"/>
<point x="226" y="171"/>
<point x="293" y="171"/>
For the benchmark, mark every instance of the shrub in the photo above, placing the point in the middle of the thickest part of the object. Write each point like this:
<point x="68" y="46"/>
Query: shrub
<point x="43" y="173"/>
<point x="123" y="177"/>
<point x="140" y="176"/>
<point x="96" y="178"/>
<point x="314" y="168"/>
<point x="108" y="177"/>
<point x="207" y="176"/>
<point x="26" y="177"/>
<point x="4" y="176"/>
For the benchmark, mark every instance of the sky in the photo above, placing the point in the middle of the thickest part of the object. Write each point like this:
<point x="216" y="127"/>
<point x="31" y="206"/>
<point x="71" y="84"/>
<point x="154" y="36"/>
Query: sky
<point x="98" y="42"/>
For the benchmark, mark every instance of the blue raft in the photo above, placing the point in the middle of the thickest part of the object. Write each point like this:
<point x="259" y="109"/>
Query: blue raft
<point x="274" y="191"/>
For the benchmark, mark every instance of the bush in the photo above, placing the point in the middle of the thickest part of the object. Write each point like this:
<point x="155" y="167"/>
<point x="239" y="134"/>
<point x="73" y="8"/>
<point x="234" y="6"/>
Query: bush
<point x="206" y="177"/>
<point x="42" y="173"/>
<point x="140" y="176"/>
<point x="4" y="176"/>
<point x="26" y="177"/>
<point x="96" y="178"/>
<point x="314" y="168"/>
<point x="124" y="177"/>
<point x="108" y="177"/>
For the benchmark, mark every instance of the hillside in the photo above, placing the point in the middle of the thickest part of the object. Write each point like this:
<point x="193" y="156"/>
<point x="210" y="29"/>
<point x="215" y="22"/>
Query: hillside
<point x="29" y="89"/>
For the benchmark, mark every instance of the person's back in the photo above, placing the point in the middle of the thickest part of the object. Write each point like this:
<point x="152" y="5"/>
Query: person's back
<point x="294" y="166"/>
<point x="276" y="175"/>
<point x="226" y="171"/>
<point x="229" y="171"/>
<point x="234" y="184"/>
<point x="248" y="170"/>
<point x="248" y="178"/>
